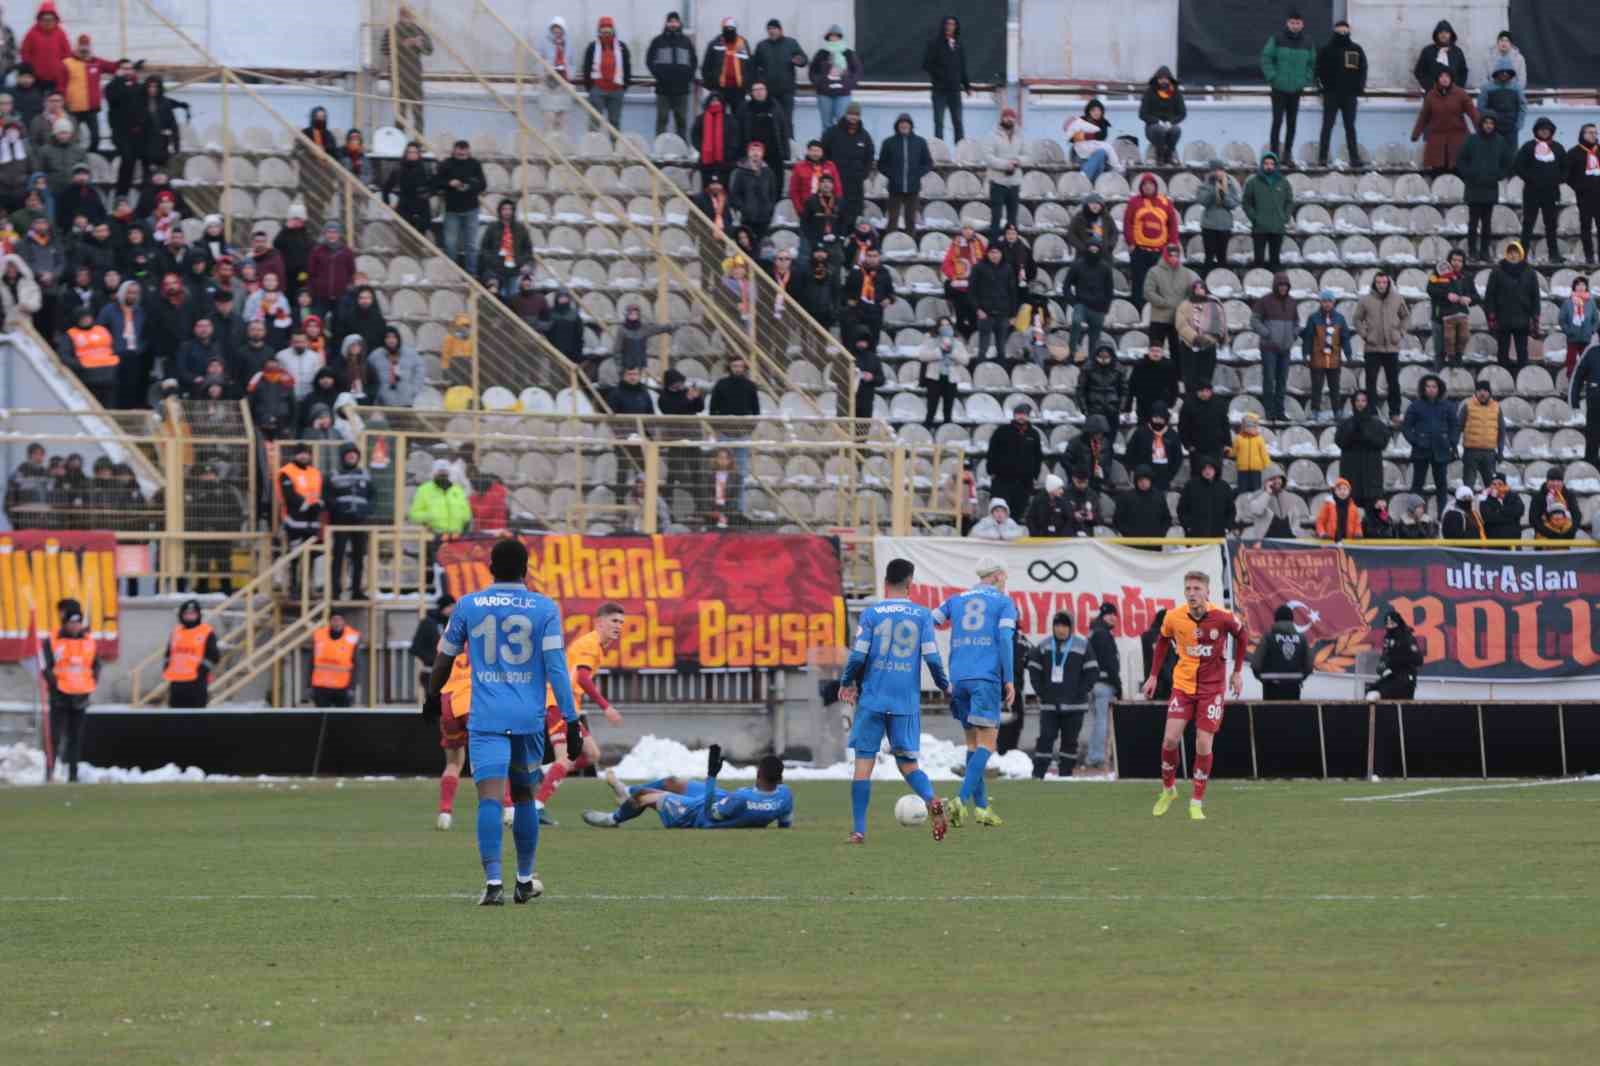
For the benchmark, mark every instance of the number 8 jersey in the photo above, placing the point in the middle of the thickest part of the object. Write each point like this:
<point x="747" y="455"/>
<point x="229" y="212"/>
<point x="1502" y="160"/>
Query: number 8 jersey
<point x="513" y="640"/>
<point x="983" y="621"/>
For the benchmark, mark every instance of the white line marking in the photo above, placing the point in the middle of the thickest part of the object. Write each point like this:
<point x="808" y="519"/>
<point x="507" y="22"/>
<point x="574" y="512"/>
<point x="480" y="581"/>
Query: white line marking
<point x="606" y="897"/>
<point x="1419" y="793"/>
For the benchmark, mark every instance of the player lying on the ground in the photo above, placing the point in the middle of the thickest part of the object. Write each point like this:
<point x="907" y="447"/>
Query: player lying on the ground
<point x="895" y="639"/>
<point x="583" y="659"/>
<point x="693" y="804"/>
<point x="1199" y="633"/>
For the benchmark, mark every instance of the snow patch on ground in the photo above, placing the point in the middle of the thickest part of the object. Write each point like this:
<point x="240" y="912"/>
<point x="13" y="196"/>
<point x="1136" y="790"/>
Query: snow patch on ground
<point x="23" y="764"/>
<point x="654" y="757"/>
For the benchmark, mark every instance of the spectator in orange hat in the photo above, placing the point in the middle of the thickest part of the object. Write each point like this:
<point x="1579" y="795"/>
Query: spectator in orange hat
<point x="607" y="70"/>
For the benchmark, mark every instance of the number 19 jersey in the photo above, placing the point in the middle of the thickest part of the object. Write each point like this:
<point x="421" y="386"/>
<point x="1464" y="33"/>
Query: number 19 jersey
<point x="895" y="639"/>
<point x="513" y="640"/>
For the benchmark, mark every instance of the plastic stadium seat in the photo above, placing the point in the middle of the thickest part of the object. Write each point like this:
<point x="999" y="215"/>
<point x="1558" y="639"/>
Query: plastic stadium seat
<point x="964" y="185"/>
<point x="1073" y="186"/>
<point x="983" y="407"/>
<point x="1037" y="185"/>
<point x="1567" y="444"/>
<point x="1533" y="381"/>
<point x="1348" y="218"/>
<point x="407" y="303"/>
<point x="428" y="399"/>
<point x="1198" y="154"/>
<point x="458" y="398"/>
<point x="1552" y="411"/>
<point x="1358" y="251"/>
<point x="1049" y="247"/>
<point x="940" y="215"/>
<point x="1313" y="218"/>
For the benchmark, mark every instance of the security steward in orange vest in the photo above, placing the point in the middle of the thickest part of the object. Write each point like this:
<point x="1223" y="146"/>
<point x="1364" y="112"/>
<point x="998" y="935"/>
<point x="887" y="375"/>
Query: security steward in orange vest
<point x="300" y="486"/>
<point x="192" y="653"/>
<point x="87" y="348"/>
<point x="71" y="670"/>
<point x="335" y="655"/>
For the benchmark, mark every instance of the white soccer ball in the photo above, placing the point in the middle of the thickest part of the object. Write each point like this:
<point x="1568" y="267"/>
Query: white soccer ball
<point x="910" y="811"/>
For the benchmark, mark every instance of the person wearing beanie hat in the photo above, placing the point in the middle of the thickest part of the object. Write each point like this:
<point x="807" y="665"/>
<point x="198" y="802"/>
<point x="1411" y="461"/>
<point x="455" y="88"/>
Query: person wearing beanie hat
<point x="1048" y="513"/>
<point x="671" y="59"/>
<point x="330" y="269"/>
<point x="607" y="73"/>
<point x="849" y="146"/>
<point x="778" y="61"/>
<point x="46" y="47"/>
<point x="60" y="154"/>
<point x="1501" y="510"/>
<point x="1483" y="433"/>
<point x="945" y="63"/>
<point x="350" y="487"/>
<point x="1107" y="685"/>
<point x="1281" y="660"/>
<point x="1063" y="670"/>
<point x="440" y="505"/>
<point x="1461" y="520"/>
<point x="1342" y="71"/>
<point x="1218" y="195"/>
<point x="1289" y="64"/>
<point x="1542" y="165"/>
<point x="1325" y="340"/>
<point x="1142" y="510"/>
<point x="834" y="73"/>
<point x="70" y="669"/>
<point x="1553" y="514"/>
<point x="726" y="68"/>
<point x="1249" y="454"/>
<point x="1511" y="304"/>
<point x="1005" y="154"/>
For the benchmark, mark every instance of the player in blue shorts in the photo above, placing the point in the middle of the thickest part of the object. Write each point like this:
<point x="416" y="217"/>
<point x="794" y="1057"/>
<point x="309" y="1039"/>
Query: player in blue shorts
<point x="983" y="622"/>
<point x="895" y="639"/>
<point x="701" y="804"/>
<point x="513" y="641"/>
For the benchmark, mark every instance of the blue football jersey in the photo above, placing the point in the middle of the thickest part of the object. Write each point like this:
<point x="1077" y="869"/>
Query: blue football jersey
<point x="983" y="621"/>
<point x="514" y="643"/>
<point x="894" y="640"/>
<point x="705" y="806"/>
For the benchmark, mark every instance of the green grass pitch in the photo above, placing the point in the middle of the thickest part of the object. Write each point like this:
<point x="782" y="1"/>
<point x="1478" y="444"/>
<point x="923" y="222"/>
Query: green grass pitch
<point x="248" y="923"/>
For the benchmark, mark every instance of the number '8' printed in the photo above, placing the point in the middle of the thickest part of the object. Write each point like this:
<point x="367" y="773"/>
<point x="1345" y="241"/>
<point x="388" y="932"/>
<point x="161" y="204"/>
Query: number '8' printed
<point x="896" y="639"/>
<point x="518" y="634"/>
<point x="973" y="613"/>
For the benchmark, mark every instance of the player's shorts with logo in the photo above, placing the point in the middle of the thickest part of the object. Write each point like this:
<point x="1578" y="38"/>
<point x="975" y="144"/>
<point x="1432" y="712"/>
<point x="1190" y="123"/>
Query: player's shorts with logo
<point x="452" y="730"/>
<point x="509" y="755"/>
<point x="1205" y="708"/>
<point x="555" y="728"/>
<point x="869" y="727"/>
<point x="976" y="704"/>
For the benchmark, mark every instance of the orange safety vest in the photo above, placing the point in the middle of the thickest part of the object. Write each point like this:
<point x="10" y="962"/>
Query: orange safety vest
<point x="333" y="659"/>
<point x="74" y="664"/>
<point x="93" y="347"/>
<point x="186" y="651"/>
<point x="457" y="692"/>
<point x="307" y="481"/>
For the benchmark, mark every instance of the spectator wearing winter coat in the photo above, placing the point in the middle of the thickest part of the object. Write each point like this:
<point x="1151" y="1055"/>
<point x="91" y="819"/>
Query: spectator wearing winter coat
<point x="998" y="523"/>
<point x="765" y="121"/>
<point x="1578" y="319"/>
<point x="607" y="72"/>
<point x="461" y="181"/>
<point x="678" y="397"/>
<point x="1202" y="328"/>
<point x="754" y="187"/>
<point x="1325" y="342"/>
<point x="1275" y="319"/>
<point x="1441" y="56"/>
<point x="941" y="356"/>
<point x="359" y="313"/>
<point x="945" y="63"/>
<point x="718" y="137"/>
<point x="1150" y="226"/>
<point x="726" y="66"/>
<point x="46" y="46"/>
<point x="1152" y="384"/>
<point x="1205" y="506"/>
<point x="1503" y="96"/>
<point x="557" y="52"/>
<point x="271" y="396"/>
<point x="1088" y="289"/>
<point x="1218" y="195"/>
<point x="440" y="505"/>
<point x="1289" y="64"/>
<point x="330" y="269"/>
<point x="1088" y="139"/>
<point x="1502" y="511"/>
<point x="1442" y="124"/>
<point x="904" y="160"/>
<point x="1268" y="202"/>
<point x="1342" y="70"/>
<point x="1483" y="434"/>
<point x="303" y="363"/>
<point x="1156" y="445"/>
<point x="504" y="250"/>
<point x="1583" y="174"/>
<point x="1102" y="386"/>
<point x="1505" y="47"/>
<point x="1015" y="457"/>
<point x="994" y="295"/>
<point x="1084" y="502"/>
<point x="867" y="291"/>
<point x="1048" y="512"/>
<point x="1553" y="514"/>
<point x="1249" y="453"/>
<point x="1452" y="292"/>
<point x="1361" y="439"/>
<point x="1162" y="110"/>
<point x="1281" y="660"/>
<point x="632" y="345"/>
<point x="1431" y="427"/>
<point x="1340" y="516"/>
<point x="1090" y="452"/>
<point x="1485" y="160"/>
<point x="1142" y="510"/>
<point x="778" y="61"/>
<point x="849" y="146"/>
<point x="562" y="326"/>
<point x="1462" y="519"/>
<point x="672" y="62"/>
<point x="85" y="347"/>
<point x="1203" y="423"/>
<point x="397" y="370"/>
<point x="125" y="318"/>
<point x="1511" y="301"/>
<point x="59" y="158"/>
<point x="1092" y="223"/>
<point x="835" y="72"/>
<point x="1166" y="286"/>
<point x="1267" y="513"/>
<point x="1542" y="166"/>
<point x="631" y="396"/>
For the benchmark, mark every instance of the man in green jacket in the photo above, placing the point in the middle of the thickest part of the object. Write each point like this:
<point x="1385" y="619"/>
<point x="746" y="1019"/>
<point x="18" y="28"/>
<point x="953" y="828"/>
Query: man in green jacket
<point x="1268" y="203"/>
<point x="442" y="506"/>
<point x="1290" y="64"/>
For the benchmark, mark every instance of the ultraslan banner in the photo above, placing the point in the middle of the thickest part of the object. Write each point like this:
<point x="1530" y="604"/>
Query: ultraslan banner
<point x="1479" y="615"/>
<point x="38" y="570"/>
<point x="709" y="600"/>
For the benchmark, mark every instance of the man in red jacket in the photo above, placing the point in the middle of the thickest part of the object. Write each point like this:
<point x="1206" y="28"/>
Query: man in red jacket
<point x="46" y="47"/>
<point x="331" y="269"/>
<point x="808" y="175"/>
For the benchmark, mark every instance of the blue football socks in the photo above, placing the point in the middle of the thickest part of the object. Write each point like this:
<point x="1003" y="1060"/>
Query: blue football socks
<point x="973" y="789"/>
<point x="489" y="833"/>
<point x="920" y="785"/>
<point x="860" y="795"/>
<point x="525" y="831"/>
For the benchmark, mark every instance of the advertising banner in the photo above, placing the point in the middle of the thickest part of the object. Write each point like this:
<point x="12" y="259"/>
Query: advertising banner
<point x="39" y="569"/>
<point x="1479" y="615"/>
<point x="710" y="600"/>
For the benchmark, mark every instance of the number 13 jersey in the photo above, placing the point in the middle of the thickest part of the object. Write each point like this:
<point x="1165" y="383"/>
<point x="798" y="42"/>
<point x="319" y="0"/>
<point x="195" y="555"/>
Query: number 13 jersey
<point x="513" y="640"/>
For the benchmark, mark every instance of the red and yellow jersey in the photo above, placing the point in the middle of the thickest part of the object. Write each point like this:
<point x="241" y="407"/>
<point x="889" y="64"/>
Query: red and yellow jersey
<point x="457" y="692"/>
<point x="1200" y="644"/>
<point x="583" y="653"/>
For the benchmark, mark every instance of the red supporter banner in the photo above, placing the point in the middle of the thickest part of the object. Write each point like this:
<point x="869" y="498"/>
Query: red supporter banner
<point x="710" y="600"/>
<point x="39" y="569"/>
<point x="1479" y="615"/>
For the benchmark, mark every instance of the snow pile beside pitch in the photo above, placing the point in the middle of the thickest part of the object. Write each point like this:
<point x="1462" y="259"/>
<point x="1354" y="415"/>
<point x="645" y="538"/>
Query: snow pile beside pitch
<point x="654" y="757"/>
<point x="22" y="764"/>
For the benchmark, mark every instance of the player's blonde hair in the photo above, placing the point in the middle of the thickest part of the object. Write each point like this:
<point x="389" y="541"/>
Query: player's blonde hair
<point x="1198" y="575"/>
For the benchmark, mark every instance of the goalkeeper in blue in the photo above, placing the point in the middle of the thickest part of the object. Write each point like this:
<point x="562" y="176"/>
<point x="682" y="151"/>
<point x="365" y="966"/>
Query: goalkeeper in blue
<point x="983" y="623"/>
<point x="692" y="804"/>
<point x="513" y="641"/>
<point x="883" y="678"/>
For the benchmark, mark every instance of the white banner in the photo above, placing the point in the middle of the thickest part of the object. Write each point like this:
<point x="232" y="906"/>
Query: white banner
<point x="1046" y="576"/>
